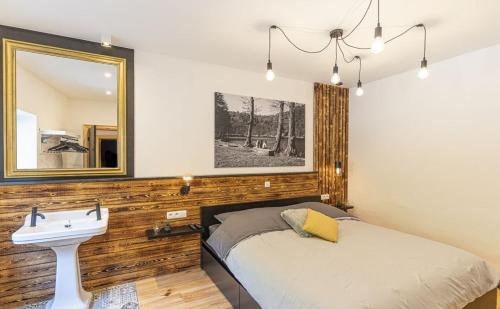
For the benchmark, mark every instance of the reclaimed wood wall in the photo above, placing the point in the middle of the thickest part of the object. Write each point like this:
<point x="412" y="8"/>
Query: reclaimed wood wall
<point x="27" y="273"/>
<point x="331" y="105"/>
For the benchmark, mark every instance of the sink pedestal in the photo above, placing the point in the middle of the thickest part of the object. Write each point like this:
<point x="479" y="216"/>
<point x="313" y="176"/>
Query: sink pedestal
<point x="69" y="292"/>
<point x="63" y="232"/>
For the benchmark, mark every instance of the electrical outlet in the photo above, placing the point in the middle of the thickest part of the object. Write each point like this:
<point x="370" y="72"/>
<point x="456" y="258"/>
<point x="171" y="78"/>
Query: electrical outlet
<point x="325" y="197"/>
<point x="267" y="184"/>
<point x="176" y="214"/>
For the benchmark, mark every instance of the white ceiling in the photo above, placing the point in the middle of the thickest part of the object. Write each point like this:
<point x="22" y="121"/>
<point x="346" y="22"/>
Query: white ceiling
<point x="75" y="79"/>
<point x="234" y="32"/>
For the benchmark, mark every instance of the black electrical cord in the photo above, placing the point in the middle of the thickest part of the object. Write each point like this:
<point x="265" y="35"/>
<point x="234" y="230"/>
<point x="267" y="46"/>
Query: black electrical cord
<point x="342" y="38"/>
<point x="301" y="49"/>
<point x="343" y="55"/>
<point x="359" y="71"/>
<point x="353" y="46"/>
<point x="349" y="61"/>
<point x="388" y="41"/>
<point x="402" y="33"/>
<point x="336" y="44"/>
<point x="378" y="12"/>
<point x="425" y="37"/>
<point x="269" y="47"/>
<point x="359" y="23"/>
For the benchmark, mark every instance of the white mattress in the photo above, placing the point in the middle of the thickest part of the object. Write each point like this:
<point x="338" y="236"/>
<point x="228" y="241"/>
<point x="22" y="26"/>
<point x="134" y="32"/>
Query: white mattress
<point x="369" y="267"/>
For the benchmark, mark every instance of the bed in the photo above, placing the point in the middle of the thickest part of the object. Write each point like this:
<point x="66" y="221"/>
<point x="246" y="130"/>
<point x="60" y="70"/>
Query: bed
<point x="369" y="267"/>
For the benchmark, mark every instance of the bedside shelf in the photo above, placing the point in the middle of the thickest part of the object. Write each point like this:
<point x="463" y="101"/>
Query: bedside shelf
<point x="176" y="231"/>
<point x="345" y="207"/>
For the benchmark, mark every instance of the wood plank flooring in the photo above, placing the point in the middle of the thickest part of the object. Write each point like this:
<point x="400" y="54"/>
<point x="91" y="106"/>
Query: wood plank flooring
<point x="498" y="299"/>
<point x="190" y="289"/>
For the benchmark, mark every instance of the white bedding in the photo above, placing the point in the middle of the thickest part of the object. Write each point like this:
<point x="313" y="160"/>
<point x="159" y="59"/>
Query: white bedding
<point x="369" y="267"/>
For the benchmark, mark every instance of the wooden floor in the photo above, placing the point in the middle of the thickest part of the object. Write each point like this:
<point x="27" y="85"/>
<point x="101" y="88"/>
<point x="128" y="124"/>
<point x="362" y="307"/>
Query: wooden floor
<point x="189" y="289"/>
<point x="185" y="290"/>
<point x="498" y="299"/>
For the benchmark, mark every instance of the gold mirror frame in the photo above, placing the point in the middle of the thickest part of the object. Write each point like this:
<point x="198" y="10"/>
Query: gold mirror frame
<point x="9" y="110"/>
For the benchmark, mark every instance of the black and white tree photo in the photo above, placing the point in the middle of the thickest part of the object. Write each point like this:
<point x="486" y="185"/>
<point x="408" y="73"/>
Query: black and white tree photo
<point x="256" y="132"/>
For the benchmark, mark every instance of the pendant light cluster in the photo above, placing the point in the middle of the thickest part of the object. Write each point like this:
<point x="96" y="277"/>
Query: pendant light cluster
<point x="337" y="36"/>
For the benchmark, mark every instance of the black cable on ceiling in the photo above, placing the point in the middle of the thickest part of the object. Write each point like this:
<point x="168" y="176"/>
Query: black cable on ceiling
<point x="301" y="49"/>
<point x="361" y="20"/>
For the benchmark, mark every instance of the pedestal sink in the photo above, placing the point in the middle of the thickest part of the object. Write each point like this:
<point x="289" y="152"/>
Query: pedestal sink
<point x="63" y="232"/>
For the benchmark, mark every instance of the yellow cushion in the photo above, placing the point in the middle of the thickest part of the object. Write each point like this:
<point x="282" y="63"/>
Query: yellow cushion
<point x="320" y="225"/>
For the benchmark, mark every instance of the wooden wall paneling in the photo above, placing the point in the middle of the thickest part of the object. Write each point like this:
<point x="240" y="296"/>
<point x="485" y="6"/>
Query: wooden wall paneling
<point x="124" y="253"/>
<point x="331" y="106"/>
<point x="27" y="273"/>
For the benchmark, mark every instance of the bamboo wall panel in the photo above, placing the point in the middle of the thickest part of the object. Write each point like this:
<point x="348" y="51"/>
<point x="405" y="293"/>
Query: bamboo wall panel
<point x="331" y="105"/>
<point x="27" y="273"/>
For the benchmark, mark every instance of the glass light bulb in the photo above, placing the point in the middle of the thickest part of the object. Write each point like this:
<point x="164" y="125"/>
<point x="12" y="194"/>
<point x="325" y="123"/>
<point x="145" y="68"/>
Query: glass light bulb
<point x="335" y="78"/>
<point x="423" y="73"/>
<point x="378" y="45"/>
<point x="359" y="91"/>
<point x="270" y="75"/>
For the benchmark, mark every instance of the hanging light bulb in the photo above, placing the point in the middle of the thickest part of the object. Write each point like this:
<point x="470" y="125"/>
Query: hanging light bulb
<point x="270" y="74"/>
<point x="335" y="76"/>
<point x="424" y="72"/>
<point x="378" y="42"/>
<point x="360" y="91"/>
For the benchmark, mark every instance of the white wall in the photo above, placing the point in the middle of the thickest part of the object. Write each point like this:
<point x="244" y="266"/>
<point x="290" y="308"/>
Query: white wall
<point x="424" y="156"/>
<point x="80" y="112"/>
<point x="37" y="97"/>
<point x="174" y="113"/>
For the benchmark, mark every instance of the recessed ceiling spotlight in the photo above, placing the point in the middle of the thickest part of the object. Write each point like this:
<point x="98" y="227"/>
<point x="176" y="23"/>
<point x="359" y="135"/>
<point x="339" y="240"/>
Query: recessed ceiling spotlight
<point x="108" y="92"/>
<point x="107" y="75"/>
<point x="106" y="40"/>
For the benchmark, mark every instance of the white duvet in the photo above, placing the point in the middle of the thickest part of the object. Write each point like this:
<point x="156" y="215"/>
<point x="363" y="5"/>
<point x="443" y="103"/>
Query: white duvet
<point x="369" y="267"/>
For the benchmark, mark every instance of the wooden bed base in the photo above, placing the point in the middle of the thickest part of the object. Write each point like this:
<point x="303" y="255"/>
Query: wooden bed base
<point x="232" y="289"/>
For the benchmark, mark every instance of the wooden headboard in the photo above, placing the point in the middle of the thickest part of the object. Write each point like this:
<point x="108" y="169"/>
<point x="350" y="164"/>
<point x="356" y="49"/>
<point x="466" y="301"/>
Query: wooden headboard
<point x="208" y="212"/>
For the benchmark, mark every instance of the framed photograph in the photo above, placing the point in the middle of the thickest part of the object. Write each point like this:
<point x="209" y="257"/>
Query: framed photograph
<point x="257" y="132"/>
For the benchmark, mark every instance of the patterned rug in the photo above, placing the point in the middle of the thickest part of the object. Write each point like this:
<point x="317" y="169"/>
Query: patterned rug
<point x="122" y="296"/>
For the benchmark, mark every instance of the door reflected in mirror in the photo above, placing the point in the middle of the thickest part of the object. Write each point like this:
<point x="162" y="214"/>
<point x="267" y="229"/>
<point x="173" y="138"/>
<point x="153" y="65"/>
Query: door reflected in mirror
<point x="66" y="111"/>
<point x="101" y="142"/>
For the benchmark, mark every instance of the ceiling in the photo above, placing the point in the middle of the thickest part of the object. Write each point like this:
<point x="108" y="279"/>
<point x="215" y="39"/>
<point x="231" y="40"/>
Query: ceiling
<point x="75" y="79"/>
<point x="234" y="32"/>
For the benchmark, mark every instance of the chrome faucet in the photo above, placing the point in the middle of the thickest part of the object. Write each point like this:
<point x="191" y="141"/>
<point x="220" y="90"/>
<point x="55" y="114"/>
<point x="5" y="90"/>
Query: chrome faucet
<point x="97" y="211"/>
<point x="34" y="215"/>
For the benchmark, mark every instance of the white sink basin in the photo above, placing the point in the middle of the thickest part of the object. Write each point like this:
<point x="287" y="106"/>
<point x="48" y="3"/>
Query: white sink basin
<point x="64" y="231"/>
<point x="61" y="227"/>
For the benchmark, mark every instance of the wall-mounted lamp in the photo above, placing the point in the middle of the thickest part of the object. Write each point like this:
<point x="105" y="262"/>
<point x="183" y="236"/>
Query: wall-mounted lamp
<point x="188" y="178"/>
<point x="338" y="168"/>
<point x="106" y="40"/>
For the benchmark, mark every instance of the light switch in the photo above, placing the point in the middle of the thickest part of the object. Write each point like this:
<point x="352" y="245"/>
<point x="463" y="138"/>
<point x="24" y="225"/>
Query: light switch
<point x="267" y="184"/>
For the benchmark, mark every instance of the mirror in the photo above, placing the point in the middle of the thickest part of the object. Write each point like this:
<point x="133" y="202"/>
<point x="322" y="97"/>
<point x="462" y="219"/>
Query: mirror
<point x="65" y="112"/>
